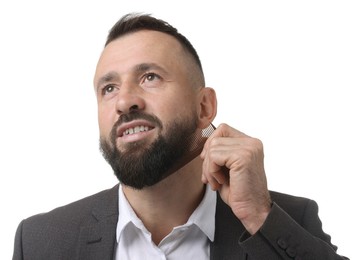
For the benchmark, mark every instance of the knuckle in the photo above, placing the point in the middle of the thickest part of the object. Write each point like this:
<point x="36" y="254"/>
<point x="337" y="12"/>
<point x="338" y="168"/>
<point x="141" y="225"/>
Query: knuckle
<point x="222" y="126"/>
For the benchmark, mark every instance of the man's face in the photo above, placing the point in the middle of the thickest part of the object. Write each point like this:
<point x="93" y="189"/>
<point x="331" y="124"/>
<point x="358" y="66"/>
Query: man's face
<point x="146" y="106"/>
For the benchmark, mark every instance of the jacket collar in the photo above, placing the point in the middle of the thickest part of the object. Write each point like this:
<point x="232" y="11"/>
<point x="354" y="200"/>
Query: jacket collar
<point x="97" y="235"/>
<point x="97" y="238"/>
<point x="228" y="231"/>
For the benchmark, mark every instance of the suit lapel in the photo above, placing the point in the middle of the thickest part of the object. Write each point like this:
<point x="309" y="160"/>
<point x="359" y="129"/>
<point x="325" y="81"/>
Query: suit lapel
<point x="227" y="233"/>
<point x="97" y="236"/>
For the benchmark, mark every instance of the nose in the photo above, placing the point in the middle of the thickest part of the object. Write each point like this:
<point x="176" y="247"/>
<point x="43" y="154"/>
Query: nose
<point x="129" y="98"/>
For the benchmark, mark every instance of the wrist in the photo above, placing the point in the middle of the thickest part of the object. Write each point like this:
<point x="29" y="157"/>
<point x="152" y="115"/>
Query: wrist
<point x="254" y="221"/>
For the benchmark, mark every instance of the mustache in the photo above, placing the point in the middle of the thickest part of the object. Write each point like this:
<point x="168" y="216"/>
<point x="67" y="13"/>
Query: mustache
<point x="134" y="115"/>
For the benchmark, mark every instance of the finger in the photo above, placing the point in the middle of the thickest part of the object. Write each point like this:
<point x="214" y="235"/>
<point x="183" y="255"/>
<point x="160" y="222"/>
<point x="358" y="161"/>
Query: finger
<point x="223" y="133"/>
<point x="206" y="176"/>
<point x="224" y="130"/>
<point x="213" y="174"/>
<point x="220" y="177"/>
<point x="215" y="182"/>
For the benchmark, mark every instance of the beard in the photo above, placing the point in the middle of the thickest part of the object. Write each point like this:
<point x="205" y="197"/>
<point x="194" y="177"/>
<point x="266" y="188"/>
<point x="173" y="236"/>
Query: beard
<point x="139" y="165"/>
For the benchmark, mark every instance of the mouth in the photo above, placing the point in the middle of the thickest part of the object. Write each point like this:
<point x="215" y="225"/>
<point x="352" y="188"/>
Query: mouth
<point x="136" y="128"/>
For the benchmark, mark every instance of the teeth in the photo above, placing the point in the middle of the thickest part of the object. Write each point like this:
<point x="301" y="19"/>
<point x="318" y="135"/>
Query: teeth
<point x="135" y="130"/>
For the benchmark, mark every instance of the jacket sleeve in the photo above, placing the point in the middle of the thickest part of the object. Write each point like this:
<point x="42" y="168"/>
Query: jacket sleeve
<point x="281" y="237"/>
<point x="18" y="248"/>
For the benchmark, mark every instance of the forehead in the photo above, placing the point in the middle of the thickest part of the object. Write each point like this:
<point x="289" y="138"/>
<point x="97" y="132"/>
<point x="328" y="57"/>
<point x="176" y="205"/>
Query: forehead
<point x="140" y="47"/>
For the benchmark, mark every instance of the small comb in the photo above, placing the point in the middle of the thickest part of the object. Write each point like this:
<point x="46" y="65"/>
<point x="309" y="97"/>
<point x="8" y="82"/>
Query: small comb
<point x="196" y="146"/>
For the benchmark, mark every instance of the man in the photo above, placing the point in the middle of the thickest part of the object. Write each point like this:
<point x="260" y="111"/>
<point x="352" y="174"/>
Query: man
<point x="153" y="107"/>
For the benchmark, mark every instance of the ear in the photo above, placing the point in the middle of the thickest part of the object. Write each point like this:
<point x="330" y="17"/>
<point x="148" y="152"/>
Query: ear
<point x="207" y="107"/>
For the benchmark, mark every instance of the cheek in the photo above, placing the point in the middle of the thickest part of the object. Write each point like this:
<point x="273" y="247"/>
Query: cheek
<point x="183" y="105"/>
<point x="168" y="110"/>
<point x="105" y="122"/>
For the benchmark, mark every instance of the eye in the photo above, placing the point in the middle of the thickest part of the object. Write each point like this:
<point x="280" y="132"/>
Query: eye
<point x="108" y="89"/>
<point x="150" y="76"/>
<point x="151" y="80"/>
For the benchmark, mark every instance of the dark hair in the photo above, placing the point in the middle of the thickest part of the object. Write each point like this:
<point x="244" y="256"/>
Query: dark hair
<point x="134" y="22"/>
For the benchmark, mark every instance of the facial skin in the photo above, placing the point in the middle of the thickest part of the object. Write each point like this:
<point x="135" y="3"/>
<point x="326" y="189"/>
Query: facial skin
<point x="143" y="166"/>
<point x="146" y="80"/>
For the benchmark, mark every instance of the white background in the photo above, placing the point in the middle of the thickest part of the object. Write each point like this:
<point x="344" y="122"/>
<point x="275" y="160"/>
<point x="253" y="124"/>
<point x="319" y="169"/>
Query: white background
<point x="287" y="72"/>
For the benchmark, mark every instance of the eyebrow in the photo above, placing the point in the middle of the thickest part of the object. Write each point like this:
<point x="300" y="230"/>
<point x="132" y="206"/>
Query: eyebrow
<point x="148" y="66"/>
<point x="110" y="76"/>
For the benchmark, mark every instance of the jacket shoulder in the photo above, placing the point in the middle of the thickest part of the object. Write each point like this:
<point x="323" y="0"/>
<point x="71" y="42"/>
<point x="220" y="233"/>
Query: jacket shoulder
<point x="295" y="206"/>
<point x="77" y="211"/>
<point x="56" y="234"/>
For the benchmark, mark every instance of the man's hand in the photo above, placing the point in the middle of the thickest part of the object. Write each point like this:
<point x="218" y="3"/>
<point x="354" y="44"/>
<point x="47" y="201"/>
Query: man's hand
<point x="233" y="165"/>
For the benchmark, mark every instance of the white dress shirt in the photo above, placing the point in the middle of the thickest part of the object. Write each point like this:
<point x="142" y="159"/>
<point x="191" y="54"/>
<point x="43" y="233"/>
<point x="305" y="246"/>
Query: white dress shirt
<point x="188" y="241"/>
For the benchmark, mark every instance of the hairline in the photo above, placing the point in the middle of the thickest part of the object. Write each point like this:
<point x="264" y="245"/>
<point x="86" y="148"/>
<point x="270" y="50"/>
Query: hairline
<point x="125" y="26"/>
<point x="196" y="77"/>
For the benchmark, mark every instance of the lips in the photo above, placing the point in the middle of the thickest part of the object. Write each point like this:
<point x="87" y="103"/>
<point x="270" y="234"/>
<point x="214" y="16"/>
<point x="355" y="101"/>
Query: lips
<point x="135" y="127"/>
<point x="135" y="130"/>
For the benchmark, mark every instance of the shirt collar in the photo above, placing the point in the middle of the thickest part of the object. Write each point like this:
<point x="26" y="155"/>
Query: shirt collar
<point x="203" y="216"/>
<point x="126" y="214"/>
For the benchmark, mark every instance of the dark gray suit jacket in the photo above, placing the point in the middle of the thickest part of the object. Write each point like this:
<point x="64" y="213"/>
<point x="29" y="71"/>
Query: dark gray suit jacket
<point x="86" y="230"/>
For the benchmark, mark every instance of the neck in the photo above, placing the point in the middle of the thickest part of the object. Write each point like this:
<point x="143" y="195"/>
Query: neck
<point x="170" y="202"/>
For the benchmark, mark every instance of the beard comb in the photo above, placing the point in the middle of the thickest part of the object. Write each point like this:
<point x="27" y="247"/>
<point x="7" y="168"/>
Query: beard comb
<point x="196" y="143"/>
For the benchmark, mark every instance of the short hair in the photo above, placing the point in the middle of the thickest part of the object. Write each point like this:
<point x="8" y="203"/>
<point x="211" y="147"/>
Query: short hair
<point x="134" y="22"/>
